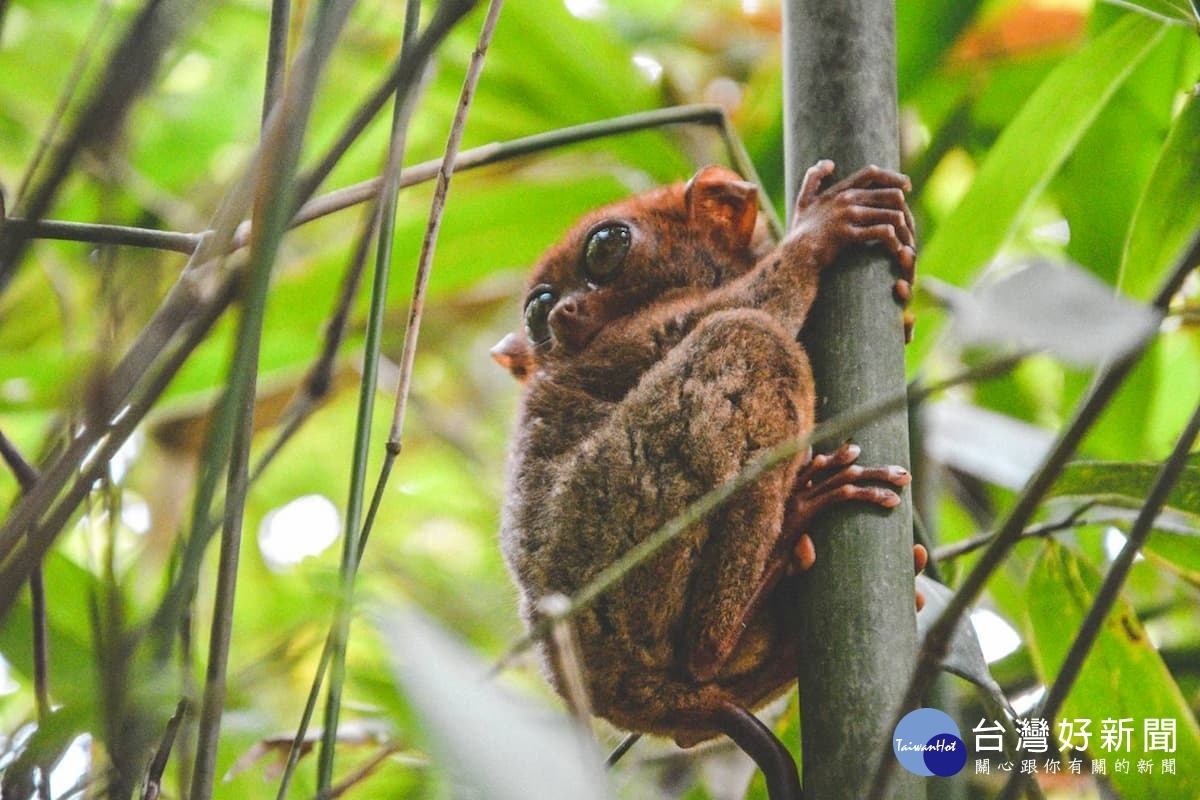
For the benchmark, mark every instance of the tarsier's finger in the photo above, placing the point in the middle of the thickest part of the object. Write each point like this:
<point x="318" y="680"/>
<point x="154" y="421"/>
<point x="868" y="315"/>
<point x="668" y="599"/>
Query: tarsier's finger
<point x="811" y="183"/>
<point x="890" y="205"/>
<point x="908" y="266"/>
<point x="902" y="291"/>
<point x="842" y="457"/>
<point x="885" y="234"/>
<point x="873" y="177"/>
<point x="909" y="322"/>
<point x="835" y="485"/>
<point x="865" y="215"/>
<point x="876" y="196"/>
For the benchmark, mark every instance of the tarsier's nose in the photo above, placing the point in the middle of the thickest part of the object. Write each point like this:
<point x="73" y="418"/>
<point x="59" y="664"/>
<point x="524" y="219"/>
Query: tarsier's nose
<point x="571" y="325"/>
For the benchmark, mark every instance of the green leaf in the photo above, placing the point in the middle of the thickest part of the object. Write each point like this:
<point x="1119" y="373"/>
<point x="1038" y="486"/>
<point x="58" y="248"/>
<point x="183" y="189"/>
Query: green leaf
<point x="925" y="32"/>
<point x="1167" y="9"/>
<point x="498" y="746"/>
<point x="1123" y="677"/>
<point x="1164" y="222"/>
<point x="1125" y="484"/>
<point x="965" y="656"/>
<point x="72" y="677"/>
<point x="1033" y="147"/>
<point x="1177" y="552"/>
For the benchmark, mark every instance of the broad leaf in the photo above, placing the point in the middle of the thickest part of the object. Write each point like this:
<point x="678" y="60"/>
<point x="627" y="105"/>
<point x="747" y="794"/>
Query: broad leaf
<point x="965" y="657"/>
<point x="498" y="746"/>
<point x="1126" y="484"/>
<point x="1034" y="146"/>
<point x="1164" y="222"/>
<point x="1123" y="677"/>
<point x="1055" y="307"/>
<point x="1176" y="10"/>
<point x="995" y="447"/>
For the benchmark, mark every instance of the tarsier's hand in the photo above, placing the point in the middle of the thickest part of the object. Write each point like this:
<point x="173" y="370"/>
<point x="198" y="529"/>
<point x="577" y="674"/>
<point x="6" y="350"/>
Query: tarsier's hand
<point x="867" y="207"/>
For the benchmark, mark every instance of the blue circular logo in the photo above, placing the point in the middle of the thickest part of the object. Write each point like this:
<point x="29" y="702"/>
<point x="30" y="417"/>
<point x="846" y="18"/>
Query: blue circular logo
<point x="927" y="742"/>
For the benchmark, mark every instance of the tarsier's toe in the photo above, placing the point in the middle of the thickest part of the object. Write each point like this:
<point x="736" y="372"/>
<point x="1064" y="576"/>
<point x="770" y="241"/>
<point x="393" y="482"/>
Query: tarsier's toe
<point x="804" y="555"/>
<point x="920" y="558"/>
<point x="909" y="323"/>
<point x="895" y="475"/>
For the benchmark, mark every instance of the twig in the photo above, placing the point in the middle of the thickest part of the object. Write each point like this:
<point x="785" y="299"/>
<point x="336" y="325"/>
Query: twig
<point x="364" y="191"/>
<point x="91" y="39"/>
<point x="937" y="639"/>
<point x="159" y="763"/>
<point x="621" y="749"/>
<point x="27" y="477"/>
<point x="1072" y="520"/>
<point x="94" y="233"/>
<point x="437" y="206"/>
<point x="401" y="78"/>
<point x="382" y="218"/>
<point x="276" y="73"/>
<point x="283" y="137"/>
<point x="1106" y="597"/>
<point x="131" y="67"/>
<point x="830" y="430"/>
<point x="362" y="773"/>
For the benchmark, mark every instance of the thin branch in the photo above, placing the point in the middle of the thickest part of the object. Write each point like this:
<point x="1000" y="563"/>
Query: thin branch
<point x="437" y="207"/>
<point x="27" y="476"/>
<point x="282" y="139"/>
<point x="621" y="749"/>
<point x="131" y="67"/>
<point x="364" y="191"/>
<point x="277" y="40"/>
<point x="937" y="639"/>
<point x="1072" y="520"/>
<point x="93" y="233"/>
<point x="382" y="219"/>
<point x="103" y="15"/>
<point x="832" y="429"/>
<point x="159" y="763"/>
<point x="402" y="77"/>
<point x="362" y="773"/>
<point x="1110" y="589"/>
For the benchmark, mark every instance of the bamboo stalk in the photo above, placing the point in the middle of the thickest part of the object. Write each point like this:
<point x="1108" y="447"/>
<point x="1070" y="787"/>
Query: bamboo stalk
<point x="855" y="606"/>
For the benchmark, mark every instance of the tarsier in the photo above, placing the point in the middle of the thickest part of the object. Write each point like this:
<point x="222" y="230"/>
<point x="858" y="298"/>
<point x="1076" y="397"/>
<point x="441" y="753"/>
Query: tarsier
<point x="660" y="357"/>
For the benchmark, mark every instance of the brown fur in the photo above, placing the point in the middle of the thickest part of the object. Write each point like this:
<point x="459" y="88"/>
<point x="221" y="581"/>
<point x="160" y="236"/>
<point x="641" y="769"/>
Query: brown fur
<point x="658" y="384"/>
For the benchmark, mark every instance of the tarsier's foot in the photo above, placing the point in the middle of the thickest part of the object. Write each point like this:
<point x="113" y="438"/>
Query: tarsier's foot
<point x="814" y="492"/>
<point x="869" y="206"/>
<point x="831" y="478"/>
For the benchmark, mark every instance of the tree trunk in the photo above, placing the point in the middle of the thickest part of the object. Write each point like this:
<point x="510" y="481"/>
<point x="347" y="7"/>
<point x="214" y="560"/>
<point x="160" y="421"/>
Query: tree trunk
<point x="856" y="604"/>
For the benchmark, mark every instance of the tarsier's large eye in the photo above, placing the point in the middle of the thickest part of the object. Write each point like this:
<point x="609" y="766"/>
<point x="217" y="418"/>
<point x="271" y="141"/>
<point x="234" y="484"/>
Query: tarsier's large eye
<point x="537" y="314"/>
<point x="605" y="251"/>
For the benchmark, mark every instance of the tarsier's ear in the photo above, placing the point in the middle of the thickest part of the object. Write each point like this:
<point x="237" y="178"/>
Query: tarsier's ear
<point x="515" y="355"/>
<point x="718" y="198"/>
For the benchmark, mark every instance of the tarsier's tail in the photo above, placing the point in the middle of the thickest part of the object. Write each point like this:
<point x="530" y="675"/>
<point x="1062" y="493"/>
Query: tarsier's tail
<point x="776" y="763"/>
